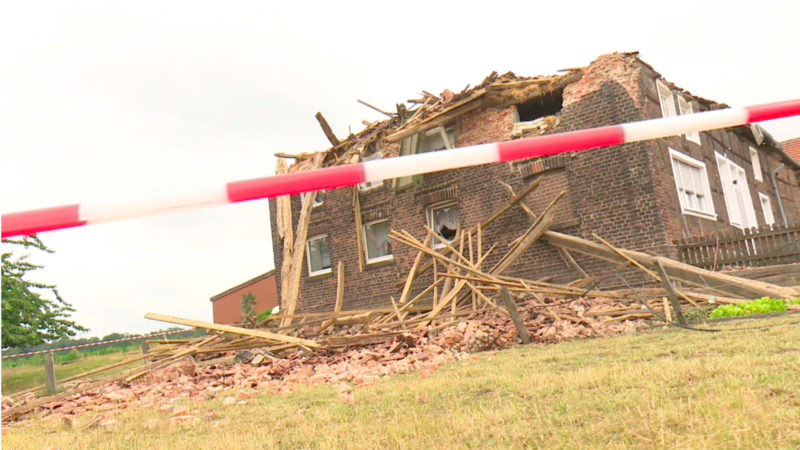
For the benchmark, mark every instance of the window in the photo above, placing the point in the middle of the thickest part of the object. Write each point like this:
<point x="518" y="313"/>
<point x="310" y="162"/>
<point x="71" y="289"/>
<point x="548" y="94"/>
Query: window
<point x="371" y="184"/>
<point x="443" y="218"/>
<point x="691" y="180"/>
<point x="686" y="108"/>
<point x="427" y="141"/>
<point x="319" y="198"/>
<point x="766" y="208"/>
<point x="738" y="201"/>
<point x="378" y="246"/>
<point x="756" y="164"/>
<point x="318" y="255"/>
<point x="665" y="98"/>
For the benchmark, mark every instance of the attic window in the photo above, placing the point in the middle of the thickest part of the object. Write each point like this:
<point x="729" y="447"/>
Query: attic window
<point x="437" y="138"/>
<point x="545" y="105"/>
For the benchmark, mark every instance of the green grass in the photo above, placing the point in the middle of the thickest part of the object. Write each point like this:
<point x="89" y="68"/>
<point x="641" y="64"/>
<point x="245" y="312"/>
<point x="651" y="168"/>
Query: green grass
<point x="664" y="388"/>
<point x="26" y="376"/>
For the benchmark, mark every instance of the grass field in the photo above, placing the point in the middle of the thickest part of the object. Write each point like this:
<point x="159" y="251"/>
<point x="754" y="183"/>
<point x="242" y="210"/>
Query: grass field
<point x="26" y="376"/>
<point x="664" y="388"/>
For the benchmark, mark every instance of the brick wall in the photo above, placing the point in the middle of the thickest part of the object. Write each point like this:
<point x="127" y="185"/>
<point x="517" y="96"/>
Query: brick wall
<point x="227" y="305"/>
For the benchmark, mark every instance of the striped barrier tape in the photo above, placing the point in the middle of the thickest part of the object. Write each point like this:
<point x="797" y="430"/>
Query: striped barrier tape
<point x="31" y="222"/>
<point x="95" y="343"/>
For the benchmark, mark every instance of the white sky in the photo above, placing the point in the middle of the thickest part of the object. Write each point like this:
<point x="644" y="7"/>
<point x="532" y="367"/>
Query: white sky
<point x="100" y="99"/>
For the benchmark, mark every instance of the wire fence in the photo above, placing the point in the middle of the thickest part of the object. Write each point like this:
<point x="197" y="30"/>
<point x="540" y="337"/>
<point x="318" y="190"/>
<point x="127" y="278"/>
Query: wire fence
<point x="91" y="344"/>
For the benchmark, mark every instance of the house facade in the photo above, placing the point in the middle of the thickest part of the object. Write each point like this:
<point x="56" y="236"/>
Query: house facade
<point x="227" y="305"/>
<point x="642" y="196"/>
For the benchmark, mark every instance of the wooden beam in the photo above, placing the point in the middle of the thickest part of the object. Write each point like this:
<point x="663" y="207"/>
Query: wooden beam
<point x="339" y="287"/>
<point x="671" y="294"/>
<point x="375" y="108"/>
<point x="233" y="330"/>
<point x="413" y="271"/>
<point x="359" y="227"/>
<point x="511" y="307"/>
<point x="327" y="129"/>
<point x="677" y="270"/>
<point x="534" y="232"/>
<point x="441" y="118"/>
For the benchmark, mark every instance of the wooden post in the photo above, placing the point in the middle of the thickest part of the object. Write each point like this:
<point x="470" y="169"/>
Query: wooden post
<point x="145" y="351"/>
<point x="511" y="307"/>
<point x="50" y="373"/>
<point x="673" y="296"/>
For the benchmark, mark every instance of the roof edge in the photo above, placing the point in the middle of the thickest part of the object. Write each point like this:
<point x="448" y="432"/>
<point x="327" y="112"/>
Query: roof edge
<point x="243" y="285"/>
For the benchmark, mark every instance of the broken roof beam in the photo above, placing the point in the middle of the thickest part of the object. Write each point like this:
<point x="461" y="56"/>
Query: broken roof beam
<point x="375" y="108"/>
<point x="442" y="117"/>
<point x="327" y="129"/>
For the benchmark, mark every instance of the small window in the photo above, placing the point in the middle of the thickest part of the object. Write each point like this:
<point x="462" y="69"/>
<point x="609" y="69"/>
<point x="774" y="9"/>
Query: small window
<point x="443" y="218"/>
<point x="378" y="246"/>
<point x="369" y="185"/>
<point x="766" y="208"/>
<point x="318" y="255"/>
<point x="319" y="198"/>
<point x="756" y="165"/>
<point x="665" y="98"/>
<point x="686" y="108"/>
<point x="691" y="180"/>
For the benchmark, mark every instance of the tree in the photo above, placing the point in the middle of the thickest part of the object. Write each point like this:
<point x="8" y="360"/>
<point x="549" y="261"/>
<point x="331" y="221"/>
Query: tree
<point x="248" y="306"/>
<point x="27" y="317"/>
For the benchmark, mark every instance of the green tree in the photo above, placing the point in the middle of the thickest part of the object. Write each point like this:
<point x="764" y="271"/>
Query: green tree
<point x="248" y="306"/>
<point x="27" y="317"/>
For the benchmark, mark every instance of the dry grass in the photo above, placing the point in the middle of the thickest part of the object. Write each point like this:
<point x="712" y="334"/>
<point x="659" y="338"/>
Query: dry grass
<point x="663" y="388"/>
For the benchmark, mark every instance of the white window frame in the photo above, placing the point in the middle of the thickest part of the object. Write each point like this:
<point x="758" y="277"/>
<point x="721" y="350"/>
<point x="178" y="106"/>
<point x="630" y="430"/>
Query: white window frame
<point x="766" y="208"/>
<point x="738" y="200"/>
<point x="756" y="164"/>
<point x="314" y="203"/>
<point x="377" y="259"/>
<point x="437" y="240"/>
<point x="685" y="108"/>
<point x="666" y="100"/>
<point x="682" y="185"/>
<point x="323" y="271"/>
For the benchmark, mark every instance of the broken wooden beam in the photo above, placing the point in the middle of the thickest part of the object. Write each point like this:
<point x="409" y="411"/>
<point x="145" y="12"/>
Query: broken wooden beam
<point x="327" y="129"/>
<point x="231" y="329"/>
<point x="511" y="307"/>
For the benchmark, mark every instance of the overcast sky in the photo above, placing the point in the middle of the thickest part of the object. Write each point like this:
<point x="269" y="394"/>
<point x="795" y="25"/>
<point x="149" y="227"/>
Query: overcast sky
<point x="100" y="99"/>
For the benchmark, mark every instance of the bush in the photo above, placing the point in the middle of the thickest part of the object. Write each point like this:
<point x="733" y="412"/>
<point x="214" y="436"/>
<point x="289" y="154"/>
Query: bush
<point x="757" y="306"/>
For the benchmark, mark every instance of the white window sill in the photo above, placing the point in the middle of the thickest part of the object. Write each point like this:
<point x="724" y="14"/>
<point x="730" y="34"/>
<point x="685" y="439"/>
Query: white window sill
<point x="320" y="272"/>
<point x="380" y="259"/>
<point x="370" y="188"/>
<point x="701" y="214"/>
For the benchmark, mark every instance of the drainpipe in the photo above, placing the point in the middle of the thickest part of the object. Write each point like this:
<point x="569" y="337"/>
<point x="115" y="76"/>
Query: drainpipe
<point x="778" y="194"/>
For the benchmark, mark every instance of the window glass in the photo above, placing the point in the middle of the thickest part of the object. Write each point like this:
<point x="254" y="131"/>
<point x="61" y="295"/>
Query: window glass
<point x="318" y="255"/>
<point x="691" y="181"/>
<point x="378" y="245"/>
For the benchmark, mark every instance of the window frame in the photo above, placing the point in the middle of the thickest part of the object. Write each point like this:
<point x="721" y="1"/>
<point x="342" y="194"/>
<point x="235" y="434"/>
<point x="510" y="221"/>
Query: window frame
<point x="685" y="107"/>
<point x="377" y="259"/>
<point x="371" y="185"/>
<point x="764" y="199"/>
<point x="667" y="105"/>
<point x="438" y="240"/>
<point x="676" y="158"/>
<point x="314" y="203"/>
<point x="755" y="160"/>
<point x="323" y="271"/>
<point x="738" y="197"/>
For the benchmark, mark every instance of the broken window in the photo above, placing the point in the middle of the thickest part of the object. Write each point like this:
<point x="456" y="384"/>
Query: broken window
<point x="318" y="255"/>
<point x="665" y="98"/>
<point x="426" y="141"/>
<point x="686" y="108"/>
<point x="691" y="180"/>
<point x="378" y="246"/>
<point x="444" y="218"/>
<point x="544" y="105"/>
<point x="319" y="198"/>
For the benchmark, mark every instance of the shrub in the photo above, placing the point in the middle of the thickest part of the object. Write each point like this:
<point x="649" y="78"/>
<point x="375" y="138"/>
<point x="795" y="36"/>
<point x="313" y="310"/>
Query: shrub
<point x="757" y="306"/>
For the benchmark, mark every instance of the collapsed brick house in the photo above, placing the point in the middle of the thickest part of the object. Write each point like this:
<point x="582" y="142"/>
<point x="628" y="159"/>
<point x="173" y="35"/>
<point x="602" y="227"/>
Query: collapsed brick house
<point x="641" y="196"/>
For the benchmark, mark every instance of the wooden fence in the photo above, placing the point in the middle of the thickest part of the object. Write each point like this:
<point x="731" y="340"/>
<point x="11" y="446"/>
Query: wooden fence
<point x="766" y="245"/>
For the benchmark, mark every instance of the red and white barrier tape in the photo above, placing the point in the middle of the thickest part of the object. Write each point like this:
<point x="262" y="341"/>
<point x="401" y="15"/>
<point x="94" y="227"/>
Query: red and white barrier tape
<point x="30" y="222"/>
<point x="95" y="343"/>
